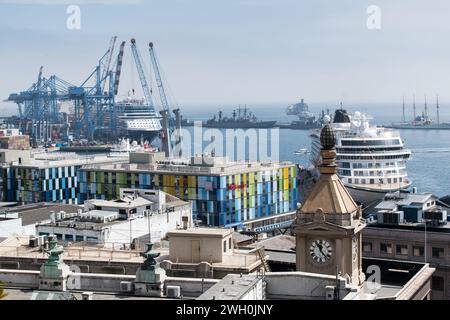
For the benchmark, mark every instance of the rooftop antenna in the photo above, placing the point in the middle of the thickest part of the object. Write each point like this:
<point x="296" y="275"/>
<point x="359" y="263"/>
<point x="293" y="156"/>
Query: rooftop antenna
<point x="437" y="109"/>
<point x="414" y="107"/>
<point x="403" y="109"/>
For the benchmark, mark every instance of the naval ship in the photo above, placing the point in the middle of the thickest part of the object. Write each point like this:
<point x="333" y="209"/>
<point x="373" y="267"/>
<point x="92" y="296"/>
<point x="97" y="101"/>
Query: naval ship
<point x="241" y="118"/>
<point x="371" y="160"/>
<point x="306" y="120"/>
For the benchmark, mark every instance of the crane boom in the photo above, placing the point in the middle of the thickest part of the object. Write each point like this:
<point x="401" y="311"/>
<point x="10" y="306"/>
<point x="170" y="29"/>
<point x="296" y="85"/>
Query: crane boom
<point x="118" y="67"/>
<point x="138" y="61"/>
<point x="159" y="83"/>
<point x="108" y="60"/>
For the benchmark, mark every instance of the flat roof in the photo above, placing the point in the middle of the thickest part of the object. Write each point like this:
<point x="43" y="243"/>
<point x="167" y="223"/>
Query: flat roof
<point x="216" y="170"/>
<point x="280" y="242"/>
<point x="43" y="161"/>
<point x="38" y="212"/>
<point x="122" y="203"/>
<point x="27" y="294"/>
<point x="209" y="232"/>
<point x="231" y="287"/>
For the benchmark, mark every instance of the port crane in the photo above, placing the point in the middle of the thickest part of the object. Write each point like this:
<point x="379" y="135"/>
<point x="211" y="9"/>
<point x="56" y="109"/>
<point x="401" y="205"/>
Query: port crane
<point x="142" y="78"/>
<point x="167" y="118"/>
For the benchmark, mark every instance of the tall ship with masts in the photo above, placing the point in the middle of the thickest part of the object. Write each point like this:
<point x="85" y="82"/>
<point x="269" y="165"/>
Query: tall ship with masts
<point x="371" y="160"/>
<point x="421" y="121"/>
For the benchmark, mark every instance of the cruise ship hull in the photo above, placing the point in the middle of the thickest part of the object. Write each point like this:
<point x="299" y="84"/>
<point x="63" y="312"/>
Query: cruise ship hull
<point x="138" y="135"/>
<point x="367" y="196"/>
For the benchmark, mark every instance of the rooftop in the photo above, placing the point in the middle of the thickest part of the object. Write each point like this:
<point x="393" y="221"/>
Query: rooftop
<point x="220" y="168"/>
<point x="45" y="160"/>
<point x="279" y="243"/>
<point x="126" y="202"/>
<point x="37" y="212"/>
<point x="231" y="287"/>
<point x="201" y="232"/>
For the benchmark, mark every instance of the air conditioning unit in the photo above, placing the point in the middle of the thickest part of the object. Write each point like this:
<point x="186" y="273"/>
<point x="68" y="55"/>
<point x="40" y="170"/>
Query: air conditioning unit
<point x="173" y="291"/>
<point x="126" y="286"/>
<point x="86" y="296"/>
<point x="329" y="292"/>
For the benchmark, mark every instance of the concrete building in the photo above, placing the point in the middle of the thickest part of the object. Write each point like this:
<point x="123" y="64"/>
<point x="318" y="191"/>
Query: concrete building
<point x="121" y="221"/>
<point x="412" y="227"/>
<point x="209" y="253"/>
<point x="62" y="276"/>
<point x="223" y="193"/>
<point x="39" y="176"/>
<point x="22" y="220"/>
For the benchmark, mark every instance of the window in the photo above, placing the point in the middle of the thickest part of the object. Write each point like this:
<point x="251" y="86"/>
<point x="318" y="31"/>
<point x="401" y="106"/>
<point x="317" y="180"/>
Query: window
<point x="437" y="253"/>
<point x="68" y="237"/>
<point x="58" y="236"/>
<point x="225" y="246"/>
<point x="229" y="243"/>
<point x="418" y="251"/>
<point x="386" y="248"/>
<point x="437" y="283"/>
<point x="367" y="246"/>
<point x="79" y="238"/>
<point x="402" y="249"/>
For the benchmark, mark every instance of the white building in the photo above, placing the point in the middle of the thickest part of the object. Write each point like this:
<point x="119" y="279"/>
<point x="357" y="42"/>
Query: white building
<point x="119" y="222"/>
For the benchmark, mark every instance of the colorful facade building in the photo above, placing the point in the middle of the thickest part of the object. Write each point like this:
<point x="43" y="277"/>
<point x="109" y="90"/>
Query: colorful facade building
<point x="222" y="193"/>
<point x="48" y="177"/>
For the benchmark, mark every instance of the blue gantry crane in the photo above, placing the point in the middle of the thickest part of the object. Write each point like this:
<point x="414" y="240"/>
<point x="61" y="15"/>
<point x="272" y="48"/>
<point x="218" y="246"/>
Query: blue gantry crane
<point x="93" y="101"/>
<point x="38" y="106"/>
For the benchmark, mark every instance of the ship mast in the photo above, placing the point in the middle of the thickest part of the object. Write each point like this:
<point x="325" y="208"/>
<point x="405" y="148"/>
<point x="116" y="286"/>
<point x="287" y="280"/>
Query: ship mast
<point x="437" y="109"/>
<point x="414" y="107"/>
<point x="426" y="108"/>
<point x="403" y="109"/>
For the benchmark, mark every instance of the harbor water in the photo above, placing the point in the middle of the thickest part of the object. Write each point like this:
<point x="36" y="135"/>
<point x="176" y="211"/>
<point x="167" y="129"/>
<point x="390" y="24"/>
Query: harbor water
<point x="428" y="168"/>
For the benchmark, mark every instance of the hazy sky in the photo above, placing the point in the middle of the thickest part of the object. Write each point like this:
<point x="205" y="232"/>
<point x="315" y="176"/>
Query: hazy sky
<point x="240" y="51"/>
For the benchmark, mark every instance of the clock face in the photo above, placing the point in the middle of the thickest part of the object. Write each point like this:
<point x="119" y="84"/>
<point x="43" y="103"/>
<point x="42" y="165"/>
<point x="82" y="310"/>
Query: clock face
<point x="355" y="248"/>
<point x="321" y="251"/>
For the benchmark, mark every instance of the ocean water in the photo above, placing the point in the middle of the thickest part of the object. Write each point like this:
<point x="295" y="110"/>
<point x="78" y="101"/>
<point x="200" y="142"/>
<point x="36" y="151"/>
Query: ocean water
<point x="428" y="168"/>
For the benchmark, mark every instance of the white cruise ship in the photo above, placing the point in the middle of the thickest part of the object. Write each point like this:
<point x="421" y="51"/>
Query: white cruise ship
<point x="138" y="120"/>
<point x="371" y="160"/>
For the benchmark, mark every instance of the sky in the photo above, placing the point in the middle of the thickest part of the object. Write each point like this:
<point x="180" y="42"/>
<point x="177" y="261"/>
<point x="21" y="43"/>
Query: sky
<point x="239" y="51"/>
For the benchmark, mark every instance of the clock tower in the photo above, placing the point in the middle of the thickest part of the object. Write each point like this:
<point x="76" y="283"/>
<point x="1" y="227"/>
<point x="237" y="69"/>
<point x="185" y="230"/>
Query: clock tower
<point x="328" y="225"/>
